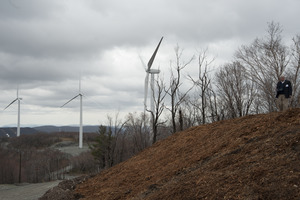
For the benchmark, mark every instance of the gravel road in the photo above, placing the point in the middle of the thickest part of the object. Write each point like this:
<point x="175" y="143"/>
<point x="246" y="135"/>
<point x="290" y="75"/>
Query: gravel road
<point x="25" y="191"/>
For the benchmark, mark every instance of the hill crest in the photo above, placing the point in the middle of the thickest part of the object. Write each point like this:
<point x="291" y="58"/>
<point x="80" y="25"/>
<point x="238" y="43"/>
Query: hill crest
<point x="253" y="157"/>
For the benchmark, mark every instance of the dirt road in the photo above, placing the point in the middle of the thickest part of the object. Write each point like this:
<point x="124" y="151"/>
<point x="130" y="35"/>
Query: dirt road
<point x="25" y="191"/>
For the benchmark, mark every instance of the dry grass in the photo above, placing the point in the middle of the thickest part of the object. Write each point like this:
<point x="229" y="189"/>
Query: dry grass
<point x="254" y="157"/>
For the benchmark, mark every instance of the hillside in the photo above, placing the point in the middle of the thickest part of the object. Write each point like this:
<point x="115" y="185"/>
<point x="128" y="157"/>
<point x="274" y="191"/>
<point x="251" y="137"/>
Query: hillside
<point x="253" y="157"/>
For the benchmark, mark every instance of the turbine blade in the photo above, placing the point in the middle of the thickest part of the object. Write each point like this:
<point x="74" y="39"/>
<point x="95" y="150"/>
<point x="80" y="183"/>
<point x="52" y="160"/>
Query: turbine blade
<point x="146" y="90"/>
<point x="144" y="65"/>
<point x="154" y="54"/>
<point x="11" y="103"/>
<point x="71" y="100"/>
<point x="79" y="86"/>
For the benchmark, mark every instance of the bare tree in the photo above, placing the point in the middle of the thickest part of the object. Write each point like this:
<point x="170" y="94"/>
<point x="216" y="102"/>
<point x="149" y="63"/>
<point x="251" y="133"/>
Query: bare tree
<point x="294" y="71"/>
<point x="137" y="133"/>
<point x="158" y="98"/>
<point x="202" y="84"/>
<point x="177" y="97"/>
<point x="216" y="107"/>
<point x="188" y="113"/>
<point x="266" y="60"/>
<point x="235" y="89"/>
<point x="116" y="127"/>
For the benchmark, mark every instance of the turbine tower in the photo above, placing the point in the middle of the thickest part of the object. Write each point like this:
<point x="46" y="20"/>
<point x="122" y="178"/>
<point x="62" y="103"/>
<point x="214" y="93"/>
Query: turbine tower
<point x="152" y="72"/>
<point x="80" y="118"/>
<point x="17" y="99"/>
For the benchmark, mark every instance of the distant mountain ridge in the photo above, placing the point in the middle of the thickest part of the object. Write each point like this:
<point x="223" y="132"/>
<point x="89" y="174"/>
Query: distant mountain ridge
<point x="11" y="131"/>
<point x="52" y="129"/>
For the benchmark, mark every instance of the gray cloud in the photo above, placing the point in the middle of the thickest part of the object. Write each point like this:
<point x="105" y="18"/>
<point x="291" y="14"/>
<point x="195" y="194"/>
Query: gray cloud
<point x="46" y="45"/>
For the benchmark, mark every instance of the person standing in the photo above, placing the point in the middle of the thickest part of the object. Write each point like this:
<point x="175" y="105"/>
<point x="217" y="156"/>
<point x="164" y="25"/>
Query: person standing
<point x="284" y="92"/>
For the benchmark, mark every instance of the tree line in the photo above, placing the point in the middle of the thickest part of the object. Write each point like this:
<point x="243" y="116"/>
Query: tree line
<point x="29" y="158"/>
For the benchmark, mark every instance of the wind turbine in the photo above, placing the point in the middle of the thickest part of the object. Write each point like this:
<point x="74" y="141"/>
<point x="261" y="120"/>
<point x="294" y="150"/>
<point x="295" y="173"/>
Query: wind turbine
<point x="80" y="118"/>
<point x="17" y="99"/>
<point x="152" y="72"/>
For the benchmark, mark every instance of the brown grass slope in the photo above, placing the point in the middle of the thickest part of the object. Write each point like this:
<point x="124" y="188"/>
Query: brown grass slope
<point x="253" y="157"/>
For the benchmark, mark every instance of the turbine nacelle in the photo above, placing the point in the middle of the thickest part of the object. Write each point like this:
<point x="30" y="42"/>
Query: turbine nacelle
<point x="153" y="71"/>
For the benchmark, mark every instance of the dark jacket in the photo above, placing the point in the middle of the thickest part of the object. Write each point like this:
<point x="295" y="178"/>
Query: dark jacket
<point x="284" y="88"/>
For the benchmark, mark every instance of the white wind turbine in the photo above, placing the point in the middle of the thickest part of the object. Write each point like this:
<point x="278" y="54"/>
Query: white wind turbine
<point x="80" y="118"/>
<point x="17" y="99"/>
<point x="152" y="72"/>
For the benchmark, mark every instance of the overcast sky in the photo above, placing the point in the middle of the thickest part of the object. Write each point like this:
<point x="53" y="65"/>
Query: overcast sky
<point x="47" y="45"/>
